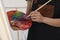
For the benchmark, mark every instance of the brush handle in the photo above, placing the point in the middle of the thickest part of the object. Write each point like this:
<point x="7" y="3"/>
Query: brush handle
<point x="41" y="6"/>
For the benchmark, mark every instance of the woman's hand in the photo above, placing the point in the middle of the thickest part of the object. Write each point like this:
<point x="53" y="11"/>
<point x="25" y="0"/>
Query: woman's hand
<point x="36" y="16"/>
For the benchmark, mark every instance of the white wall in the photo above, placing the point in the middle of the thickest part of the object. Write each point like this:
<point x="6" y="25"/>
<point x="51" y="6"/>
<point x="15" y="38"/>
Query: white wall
<point x="14" y="3"/>
<point x="20" y="5"/>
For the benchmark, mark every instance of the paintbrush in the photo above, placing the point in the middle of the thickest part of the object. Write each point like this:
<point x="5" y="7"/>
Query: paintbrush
<point x="41" y="6"/>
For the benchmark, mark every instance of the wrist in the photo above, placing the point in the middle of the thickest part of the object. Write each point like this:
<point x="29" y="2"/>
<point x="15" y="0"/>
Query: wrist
<point x="44" y="19"/>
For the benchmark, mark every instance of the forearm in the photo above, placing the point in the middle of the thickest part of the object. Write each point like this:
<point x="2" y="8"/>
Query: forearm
<point x="51" y="21"/>
<point x="29" y="4"/>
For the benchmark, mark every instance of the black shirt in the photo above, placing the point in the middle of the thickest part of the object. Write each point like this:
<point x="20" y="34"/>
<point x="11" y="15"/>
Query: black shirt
<point x="42" y="31"/>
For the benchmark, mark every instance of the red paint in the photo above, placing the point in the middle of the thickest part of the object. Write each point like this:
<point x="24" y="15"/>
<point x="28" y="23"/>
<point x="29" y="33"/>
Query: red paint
<point x="22" y="25"/>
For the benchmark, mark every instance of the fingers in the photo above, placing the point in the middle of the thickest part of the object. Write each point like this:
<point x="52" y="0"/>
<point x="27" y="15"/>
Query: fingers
<point x="12" y="22"/>
<point x="33" y="12"/>
<point x="33" y="16"/>
<point x="36" y="16"/>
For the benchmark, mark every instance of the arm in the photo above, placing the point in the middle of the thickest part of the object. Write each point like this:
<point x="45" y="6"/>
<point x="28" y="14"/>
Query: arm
<point x="51" y="21"/>
<point x="37" y="17"/>
<point x="29" y="4"/>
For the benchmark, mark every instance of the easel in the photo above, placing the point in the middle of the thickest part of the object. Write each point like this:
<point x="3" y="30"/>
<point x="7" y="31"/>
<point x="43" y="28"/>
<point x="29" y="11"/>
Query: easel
<point x="4" y="30"/>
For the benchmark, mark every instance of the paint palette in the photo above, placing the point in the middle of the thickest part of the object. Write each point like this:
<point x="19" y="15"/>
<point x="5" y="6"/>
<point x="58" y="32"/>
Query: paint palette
<point x="19" y="20"/>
